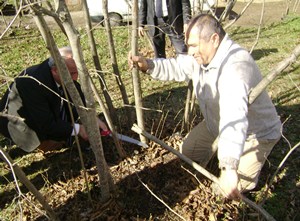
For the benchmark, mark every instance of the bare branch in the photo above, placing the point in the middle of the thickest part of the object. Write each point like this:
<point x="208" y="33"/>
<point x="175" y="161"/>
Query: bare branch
<point x="135" y="72"/>
<point x="11" y="23"/>
<point x="259" y="26"/>
<point x="4" y="156"/>
<point x="160" y="200"/>
<point x="22" y="177"/>
<point x="239" y="15"/>
<point x="272" y="75"/>
<point x="283" y="161"/>
<point x="296" y="5"/>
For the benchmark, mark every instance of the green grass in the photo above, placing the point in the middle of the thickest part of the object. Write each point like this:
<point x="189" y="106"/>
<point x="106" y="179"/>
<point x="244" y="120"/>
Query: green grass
<point x="23" y="48"/>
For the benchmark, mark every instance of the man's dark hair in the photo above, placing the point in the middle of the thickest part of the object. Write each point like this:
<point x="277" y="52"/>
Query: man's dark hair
<point x="207" y="25"/>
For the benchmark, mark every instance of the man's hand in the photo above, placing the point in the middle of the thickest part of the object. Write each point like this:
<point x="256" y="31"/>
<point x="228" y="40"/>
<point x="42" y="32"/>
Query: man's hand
<point x="82" y="133"/>
<point x="228" y="183"/>
<point x="102" y="125"/>
<point x="141" y="31"/>
<point x="137" y="61"/>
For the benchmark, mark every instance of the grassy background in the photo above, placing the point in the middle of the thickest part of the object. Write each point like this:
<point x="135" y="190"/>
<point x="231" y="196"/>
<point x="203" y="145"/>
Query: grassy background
<point x="25" y="47"/>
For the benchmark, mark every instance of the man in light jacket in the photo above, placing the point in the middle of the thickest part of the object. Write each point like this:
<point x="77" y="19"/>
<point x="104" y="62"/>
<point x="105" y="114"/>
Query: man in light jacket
<point x="223" y="75"/>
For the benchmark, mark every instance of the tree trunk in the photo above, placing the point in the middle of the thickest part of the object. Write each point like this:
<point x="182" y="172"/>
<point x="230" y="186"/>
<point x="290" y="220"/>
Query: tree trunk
<point x="120" y="150"/>
<point x="230" y="4"/>
<point x="135" y="72"/>
<point x="87" y="115"/>
<point x="186" y="118"/>
<point x="111" y="114"/>
<point x="115" y="67"/>
<point x="97" y="64"/>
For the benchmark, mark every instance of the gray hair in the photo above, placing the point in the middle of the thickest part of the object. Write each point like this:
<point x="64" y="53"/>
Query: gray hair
<point x="65" y="52"/>
<point x="206" y="25"/>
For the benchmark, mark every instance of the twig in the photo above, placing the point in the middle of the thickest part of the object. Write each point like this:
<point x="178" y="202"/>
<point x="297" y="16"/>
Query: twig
<point x="259" y="26"/>
<point x="45" y="86"/>
<point x="271" y="76"/>
<point x="278" y="169"/>
<point x="149" y="39"/>
<point x="200" y="169"/>
<point x="296" y="5"/>
<point x="239" y="15"/>
<point x="17" y="172"/>
<point x="194" y="175"/>
<point x="160" y="121"/>
<point x="6" y="77"/>
<point x="283" y="161"/>
<point x="160" y="200"/>
<point x="11" y="23"/>
<point x="298" y="88"/>
<point x="144" y="108"/>
<point x="164" y="118"/>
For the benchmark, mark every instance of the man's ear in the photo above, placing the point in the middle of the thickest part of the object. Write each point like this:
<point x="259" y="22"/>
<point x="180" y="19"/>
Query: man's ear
<point x="215" y="39"/>
<point x="55" y="75"/>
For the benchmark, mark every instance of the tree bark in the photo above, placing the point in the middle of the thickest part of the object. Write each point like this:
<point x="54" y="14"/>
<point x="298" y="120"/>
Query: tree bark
<point x="111" y="114"/>
<point x="272" y="75"/>
<point x="87" y="115"/>
<point x="120" y="150"/>
<point x="187" y="110"/>
<point x="135" y="72"/>
<point x="114" y="62"/>
<point x="230" y="4"/>
<point x="97" y="64"/>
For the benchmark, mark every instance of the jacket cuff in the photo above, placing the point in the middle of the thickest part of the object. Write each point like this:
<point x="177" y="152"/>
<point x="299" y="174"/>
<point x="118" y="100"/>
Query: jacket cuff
<point x="75" y="129"/>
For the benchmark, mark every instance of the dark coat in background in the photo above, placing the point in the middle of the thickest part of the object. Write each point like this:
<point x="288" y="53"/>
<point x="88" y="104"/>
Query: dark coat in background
<point x="179" y="13"/>
<point x="172" y="25"/>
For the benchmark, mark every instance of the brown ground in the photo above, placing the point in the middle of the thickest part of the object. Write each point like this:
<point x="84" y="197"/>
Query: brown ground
<point x="273" y="12"/>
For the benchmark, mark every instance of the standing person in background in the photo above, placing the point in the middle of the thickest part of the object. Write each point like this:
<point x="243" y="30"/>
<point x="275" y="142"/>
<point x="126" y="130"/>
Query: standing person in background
<point x="223" y="74"/>
<point x="165" y="17"/>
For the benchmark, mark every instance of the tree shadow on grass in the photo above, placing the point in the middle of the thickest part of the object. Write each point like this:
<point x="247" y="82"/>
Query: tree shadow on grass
<point x="261" y="53"/>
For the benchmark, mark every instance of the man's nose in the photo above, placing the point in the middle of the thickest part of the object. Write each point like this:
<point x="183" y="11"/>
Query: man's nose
<point x="190" y="51"/>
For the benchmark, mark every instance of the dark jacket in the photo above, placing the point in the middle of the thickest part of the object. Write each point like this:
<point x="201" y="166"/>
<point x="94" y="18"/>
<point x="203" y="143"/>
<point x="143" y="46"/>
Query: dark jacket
<point x="179" y="12"/>
<point x="41" y="107"/>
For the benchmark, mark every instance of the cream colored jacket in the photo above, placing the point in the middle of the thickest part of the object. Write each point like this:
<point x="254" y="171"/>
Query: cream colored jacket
<point x="222" y="90"/>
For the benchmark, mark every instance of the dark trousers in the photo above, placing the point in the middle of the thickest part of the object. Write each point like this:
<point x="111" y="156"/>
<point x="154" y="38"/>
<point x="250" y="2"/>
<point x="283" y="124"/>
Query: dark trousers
<point x="159" y="40"/>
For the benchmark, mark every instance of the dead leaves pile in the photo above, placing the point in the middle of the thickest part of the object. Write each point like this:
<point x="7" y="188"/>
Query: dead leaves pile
<point x="174" y="192"/>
